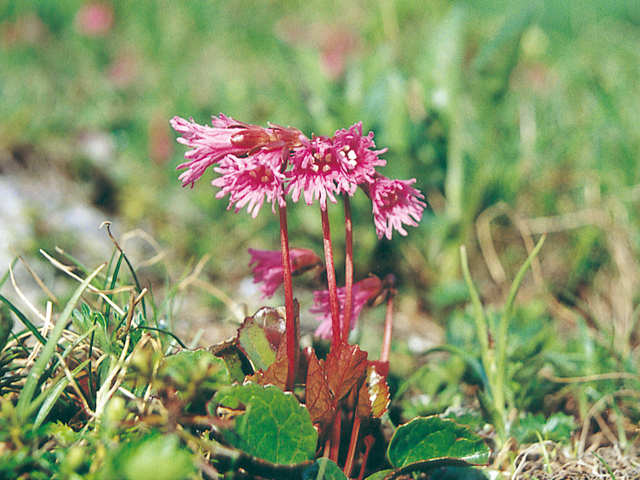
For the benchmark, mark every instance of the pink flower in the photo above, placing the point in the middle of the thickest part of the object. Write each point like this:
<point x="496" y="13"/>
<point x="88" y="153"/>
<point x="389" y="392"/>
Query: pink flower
<point x="248" y="180"/>
<point x="268" y="267"/>
<point x="364" y="292"/>
<point x="316" y="169"/>
<point x="210" y="145"/>
<point x="359" y="162"/>
<point x="395" y="203"/>
<point x="327" y="166"/>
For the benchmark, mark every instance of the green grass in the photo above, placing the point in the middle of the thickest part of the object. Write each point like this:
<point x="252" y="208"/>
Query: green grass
<point x="516" y="119"/>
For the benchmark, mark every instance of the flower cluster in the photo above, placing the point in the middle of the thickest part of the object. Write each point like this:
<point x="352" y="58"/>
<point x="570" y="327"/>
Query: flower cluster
<point x="258" y="163"/>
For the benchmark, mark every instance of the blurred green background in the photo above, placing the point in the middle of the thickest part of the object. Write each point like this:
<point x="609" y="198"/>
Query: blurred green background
<point x="526" y="111"/>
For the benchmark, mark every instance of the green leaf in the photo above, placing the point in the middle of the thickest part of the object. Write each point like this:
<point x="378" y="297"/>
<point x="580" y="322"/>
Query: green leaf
<point x="469" y="417"/>
<point x="438" y="469"/>
<point x="85" y="318"/>
<point x="233" y="358"/>
<point x="259" y="337"/>
<point x="271" y="424"/>
<point x="381" y="475"/>
<point x="53" y="393"/>
<point x="323" y="469"/>
<point x="159" y="457"/>
<point x="427" y="438"/>
<point x="557" y="427"/>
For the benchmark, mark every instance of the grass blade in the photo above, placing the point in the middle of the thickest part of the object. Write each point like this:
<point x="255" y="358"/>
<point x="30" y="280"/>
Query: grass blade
<point x="22" y="408"/>
<point x="30" y="326"/>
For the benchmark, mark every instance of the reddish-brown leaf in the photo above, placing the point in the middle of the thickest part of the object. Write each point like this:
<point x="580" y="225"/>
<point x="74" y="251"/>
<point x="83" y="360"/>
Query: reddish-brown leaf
<point x="363" y="408"/>
<point x="276" y="374"/>
<point x="319" y="399"/>
<point x="345" y="366"/>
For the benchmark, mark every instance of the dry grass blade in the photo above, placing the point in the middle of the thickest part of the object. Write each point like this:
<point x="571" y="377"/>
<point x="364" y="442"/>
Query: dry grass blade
<point x="24" y="298"/>
<point x="39" y="281"/>
<point x="594" y="410"/>
<point x="103" y="294"/>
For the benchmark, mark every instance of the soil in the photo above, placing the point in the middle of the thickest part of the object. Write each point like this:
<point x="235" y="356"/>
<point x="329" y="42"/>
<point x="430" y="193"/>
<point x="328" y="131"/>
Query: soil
<point x="624" y="464"/>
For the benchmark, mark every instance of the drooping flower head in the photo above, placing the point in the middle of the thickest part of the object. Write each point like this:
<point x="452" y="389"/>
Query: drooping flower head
<point x="359" y="161"/>
<point x="249" y="180"/>
<point x="316" y="169"/>
<point x="364" y="292"/>
<point x="212" y="144"/>
<point x="324" y="167"/>
<point x="395" y="202"/>
<point x="267" y="267"/>
<point x="251" y="159"/>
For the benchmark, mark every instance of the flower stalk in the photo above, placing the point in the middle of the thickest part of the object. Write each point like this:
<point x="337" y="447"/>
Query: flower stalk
<point x="332" y="286"/>
<point x="348" y="273"/>
<point x="290" y="332"/>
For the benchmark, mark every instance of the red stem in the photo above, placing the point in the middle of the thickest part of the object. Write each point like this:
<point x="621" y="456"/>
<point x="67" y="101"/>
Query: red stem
<point x="327" y="448"/>
<point x="335" y="436"/>
<point x="388" y="329"/>
<point x="368" y="441"/>
<point x="351" y="454"/>
<point x="348" y="271"/>
<point x="288" y="300"/>
<point x="331" y="280"/>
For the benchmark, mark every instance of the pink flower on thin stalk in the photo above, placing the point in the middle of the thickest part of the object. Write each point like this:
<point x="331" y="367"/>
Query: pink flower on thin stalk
<point x="229" y="137"/>
<point x="316" y="169"/>
<point x="359" y="161"/>
<point x="395" y="202"/>
<point x="210" y="145"/>
<point x="249" y="180"/>
<point x="364" y="292"/>
<point x="324" y="167"/>
<point x="267" y="267"/>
